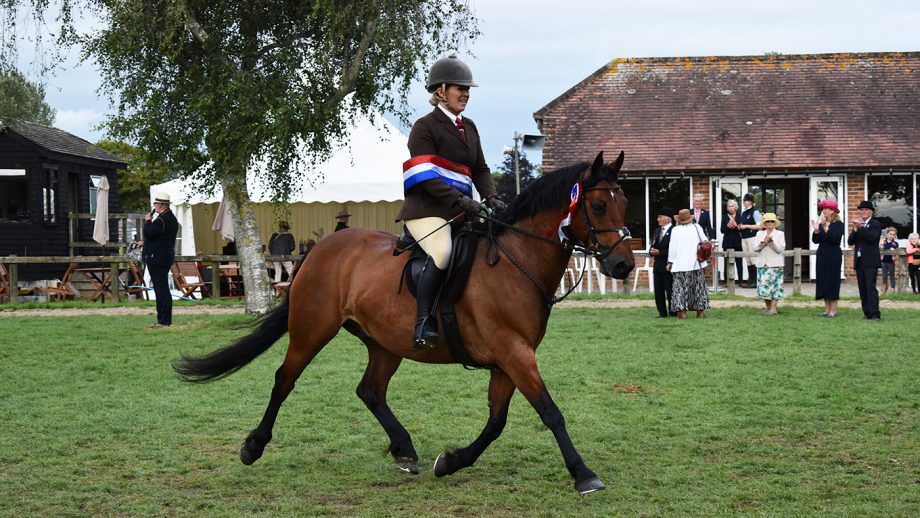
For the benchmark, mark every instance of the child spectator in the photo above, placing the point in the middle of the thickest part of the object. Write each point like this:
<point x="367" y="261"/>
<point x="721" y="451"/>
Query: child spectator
<point x="889" y="243"/>
<point x="913" y="260"/>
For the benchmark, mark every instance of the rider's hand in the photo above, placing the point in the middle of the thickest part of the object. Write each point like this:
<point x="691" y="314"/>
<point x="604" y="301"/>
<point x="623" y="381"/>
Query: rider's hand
<point x="469" y="205"/>
<point x="495" y="203"/>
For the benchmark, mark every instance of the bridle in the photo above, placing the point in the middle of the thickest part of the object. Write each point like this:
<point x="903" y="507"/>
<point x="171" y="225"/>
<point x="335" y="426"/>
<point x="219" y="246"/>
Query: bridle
<point x="593" y="247"/>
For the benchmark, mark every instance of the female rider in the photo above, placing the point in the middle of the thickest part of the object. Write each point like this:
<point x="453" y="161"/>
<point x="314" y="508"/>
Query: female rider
<point x="446" y="162"/>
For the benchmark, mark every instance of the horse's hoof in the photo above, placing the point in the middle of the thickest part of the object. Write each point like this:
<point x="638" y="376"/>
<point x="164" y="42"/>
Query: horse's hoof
<point x="248" y="456"/>
<point x="589" y="486"/>
<point x="440" y="466"/>
<point x="407" y="465"/>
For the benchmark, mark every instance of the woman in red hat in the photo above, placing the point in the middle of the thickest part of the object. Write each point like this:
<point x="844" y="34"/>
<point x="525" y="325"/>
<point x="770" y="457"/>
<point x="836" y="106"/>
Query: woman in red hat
<point x="827" y="234"/>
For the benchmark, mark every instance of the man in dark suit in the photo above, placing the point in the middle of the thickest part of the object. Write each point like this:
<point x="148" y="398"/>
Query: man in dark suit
<point x="701" y="216"/>
<point x="865" y="236"/>
<point x="661" y="240"/>
<point x="159" y="254"/>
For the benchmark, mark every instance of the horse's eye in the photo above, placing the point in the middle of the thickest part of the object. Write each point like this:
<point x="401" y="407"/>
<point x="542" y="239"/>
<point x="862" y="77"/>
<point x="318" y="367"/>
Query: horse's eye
<point x="599" y="207"/>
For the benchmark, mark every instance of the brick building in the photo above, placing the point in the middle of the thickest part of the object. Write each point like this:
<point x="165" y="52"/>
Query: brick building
<point x="791" y="129"/>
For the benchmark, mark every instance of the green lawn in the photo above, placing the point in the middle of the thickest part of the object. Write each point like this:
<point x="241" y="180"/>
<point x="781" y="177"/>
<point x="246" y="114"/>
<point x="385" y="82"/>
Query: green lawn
<point x="733" y="414"/>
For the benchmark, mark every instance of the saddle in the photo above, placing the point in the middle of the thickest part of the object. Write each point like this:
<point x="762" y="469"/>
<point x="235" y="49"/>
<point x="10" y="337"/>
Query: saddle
<point x="465" y="242"/>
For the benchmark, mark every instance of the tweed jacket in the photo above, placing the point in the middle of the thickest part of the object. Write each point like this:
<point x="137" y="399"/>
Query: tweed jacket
<point x="160" y="239"/>
<point x="436" y="134"/>
<point x="770" y="256"/>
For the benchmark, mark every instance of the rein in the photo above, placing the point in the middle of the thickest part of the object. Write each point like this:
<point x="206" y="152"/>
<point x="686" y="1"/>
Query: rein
<point x="593" y="248"/>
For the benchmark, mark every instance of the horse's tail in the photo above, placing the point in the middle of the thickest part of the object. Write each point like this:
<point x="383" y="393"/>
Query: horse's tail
<point x="225" y="361"/>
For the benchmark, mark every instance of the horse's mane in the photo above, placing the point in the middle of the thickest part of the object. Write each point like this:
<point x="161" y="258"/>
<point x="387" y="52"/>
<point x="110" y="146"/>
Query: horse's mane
<point x="550" y="191"/>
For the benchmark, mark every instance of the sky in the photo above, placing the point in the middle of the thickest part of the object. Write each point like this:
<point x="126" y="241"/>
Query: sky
<point x="532" y="51"/>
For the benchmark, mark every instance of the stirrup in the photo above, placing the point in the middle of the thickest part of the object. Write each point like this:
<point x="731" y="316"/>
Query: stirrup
<point x="428" y="338"/>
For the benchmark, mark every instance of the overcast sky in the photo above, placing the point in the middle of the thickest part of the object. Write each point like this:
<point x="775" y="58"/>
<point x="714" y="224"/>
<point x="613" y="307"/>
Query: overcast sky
<point x="531" y="51"/>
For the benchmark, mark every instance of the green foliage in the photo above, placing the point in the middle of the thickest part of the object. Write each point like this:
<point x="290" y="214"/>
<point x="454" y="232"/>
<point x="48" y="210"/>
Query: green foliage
<point x="135" y="181"/>
<point x="503" y="176"/>
<point x="734" y="414"/>
<point x="22" y="99"/>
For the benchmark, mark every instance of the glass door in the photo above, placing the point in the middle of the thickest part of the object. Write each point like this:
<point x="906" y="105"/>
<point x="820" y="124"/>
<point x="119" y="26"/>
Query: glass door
<point x="729" y="188"/>
<point x="825" y="188"/>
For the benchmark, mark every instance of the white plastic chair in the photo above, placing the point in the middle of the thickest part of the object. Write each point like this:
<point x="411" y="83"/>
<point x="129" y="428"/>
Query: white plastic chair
<point x="648" y="269"/>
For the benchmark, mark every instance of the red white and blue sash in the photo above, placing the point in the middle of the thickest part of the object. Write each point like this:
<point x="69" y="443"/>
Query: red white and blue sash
<point x="422" y="168"/>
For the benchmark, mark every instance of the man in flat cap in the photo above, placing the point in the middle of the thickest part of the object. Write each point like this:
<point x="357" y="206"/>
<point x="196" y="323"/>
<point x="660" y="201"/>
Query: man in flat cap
<point x="658" y="249"/>
<point x="865" y="235"/>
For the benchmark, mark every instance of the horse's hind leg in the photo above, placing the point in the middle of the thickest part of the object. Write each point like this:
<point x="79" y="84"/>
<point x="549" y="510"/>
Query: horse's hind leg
<point x="372" y="390"/>
<point x="305" y="342"/>
<point x="527" y="378"/>
<point x="500" y="391"/>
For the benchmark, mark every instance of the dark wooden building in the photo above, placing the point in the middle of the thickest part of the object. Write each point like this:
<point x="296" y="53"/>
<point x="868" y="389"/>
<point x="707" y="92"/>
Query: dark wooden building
<point x="46" y="173"/>
<point x="791" y="129"/>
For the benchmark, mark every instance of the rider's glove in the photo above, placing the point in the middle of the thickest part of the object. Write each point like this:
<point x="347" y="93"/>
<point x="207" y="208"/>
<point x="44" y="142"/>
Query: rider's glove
<point x="495" y="203"/>
<point x="469" y="205"/>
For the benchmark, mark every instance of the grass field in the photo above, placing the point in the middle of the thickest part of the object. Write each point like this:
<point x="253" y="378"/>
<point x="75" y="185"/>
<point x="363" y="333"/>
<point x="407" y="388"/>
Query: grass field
<point x="735" y="414"/>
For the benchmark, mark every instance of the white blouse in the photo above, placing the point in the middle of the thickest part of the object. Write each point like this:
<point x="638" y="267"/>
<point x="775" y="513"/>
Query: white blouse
<point x="682" y="253"/>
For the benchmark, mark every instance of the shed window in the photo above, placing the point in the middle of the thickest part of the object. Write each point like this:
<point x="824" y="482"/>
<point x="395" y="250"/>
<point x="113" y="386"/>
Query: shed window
<point x="893" y="197"/>
<point x="93" y="189"/>
<point x="50" y="190"/>
<point x="14" y="200"/>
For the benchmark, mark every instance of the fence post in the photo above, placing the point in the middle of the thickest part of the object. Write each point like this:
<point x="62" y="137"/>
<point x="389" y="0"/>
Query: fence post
<point x="901" y="259"/>
<point x="730" y="271"/>
<point x="215" y="280"/>
<point x="13" y="270"/>
<point x="797" y="271"/>
<point x="114" y="283"/>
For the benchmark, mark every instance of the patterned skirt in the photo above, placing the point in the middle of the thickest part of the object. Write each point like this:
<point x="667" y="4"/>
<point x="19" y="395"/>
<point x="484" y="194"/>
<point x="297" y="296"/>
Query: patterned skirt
<point x="770" y="283"/>
<point x="689" y="291"/>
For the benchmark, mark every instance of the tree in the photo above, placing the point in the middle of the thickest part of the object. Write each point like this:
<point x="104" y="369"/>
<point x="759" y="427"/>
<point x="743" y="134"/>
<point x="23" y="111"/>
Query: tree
<point x="22" y="99"/>
<point x="503" y="176"/>
<point x="135" y="181"/>
<point x="215" y="88"/>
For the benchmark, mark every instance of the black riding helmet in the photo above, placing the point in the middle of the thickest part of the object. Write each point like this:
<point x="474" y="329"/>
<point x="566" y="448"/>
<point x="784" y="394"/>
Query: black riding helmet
<point x="451" y="71"/>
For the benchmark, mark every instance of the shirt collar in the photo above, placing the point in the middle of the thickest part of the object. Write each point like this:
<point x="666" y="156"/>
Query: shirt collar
<point x="451" y="116"/>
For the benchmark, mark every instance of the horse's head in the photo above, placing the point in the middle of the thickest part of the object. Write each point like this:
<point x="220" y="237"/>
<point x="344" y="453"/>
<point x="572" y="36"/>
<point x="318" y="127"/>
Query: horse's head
<point x="600" y="222"/>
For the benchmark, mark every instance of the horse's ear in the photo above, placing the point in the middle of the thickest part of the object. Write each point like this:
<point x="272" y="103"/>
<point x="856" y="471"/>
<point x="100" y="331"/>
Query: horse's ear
<point x="616" y="165"/>
<point x="598" y="165"/>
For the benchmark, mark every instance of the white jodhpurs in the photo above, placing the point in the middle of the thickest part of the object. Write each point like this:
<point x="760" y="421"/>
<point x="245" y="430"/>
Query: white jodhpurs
<point x="438" y="244"/>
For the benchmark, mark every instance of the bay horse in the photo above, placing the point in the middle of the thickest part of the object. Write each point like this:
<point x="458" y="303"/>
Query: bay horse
<point x="350" y="279"/>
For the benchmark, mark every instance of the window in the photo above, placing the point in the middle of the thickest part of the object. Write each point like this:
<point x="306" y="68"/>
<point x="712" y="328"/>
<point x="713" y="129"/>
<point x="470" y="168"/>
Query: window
<point x="673" y="193"/>
<point x="93" y="189"/>
<point x="14" y="192"/>
<point x="634" y="190"/>
<point x="50" y="191"/>
<point x="893" y="197"/>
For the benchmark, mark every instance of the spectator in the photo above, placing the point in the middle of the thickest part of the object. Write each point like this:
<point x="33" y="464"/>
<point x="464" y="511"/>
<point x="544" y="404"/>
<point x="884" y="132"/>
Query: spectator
<point x="749" y="224"/>
<point x="282" y="243"/>
<point x="913" y="260"/>
<point x="864" y="237"/>
<point x="889" y="243"/>
<point x="689" y="287"/>
<point x="827" y="234"/>
<point x="701" y="216"/>
<point x="342" y="216"/>
<point x="731" y="236"/>
<point x="658" y="249"/>
<point x="771" y="242"/>
<point x="159" y="253"/>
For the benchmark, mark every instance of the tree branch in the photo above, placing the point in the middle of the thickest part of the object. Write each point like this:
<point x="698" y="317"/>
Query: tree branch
<point x="350" y="74"/>
<point x="200" y="34"/>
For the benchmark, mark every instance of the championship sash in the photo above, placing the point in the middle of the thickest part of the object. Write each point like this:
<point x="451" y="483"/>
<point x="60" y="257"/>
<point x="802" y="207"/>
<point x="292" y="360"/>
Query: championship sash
<point x="427" y="167"/>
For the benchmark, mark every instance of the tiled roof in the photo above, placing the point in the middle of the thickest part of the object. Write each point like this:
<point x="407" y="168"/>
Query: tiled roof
<point x="60" y="141"/>
<point x="742" y="113"/>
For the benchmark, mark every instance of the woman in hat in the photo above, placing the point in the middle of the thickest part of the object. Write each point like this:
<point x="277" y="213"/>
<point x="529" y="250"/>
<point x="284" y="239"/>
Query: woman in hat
<point x="447" y="161"/>
<point x="731" y="236"/>
<point x="771" y="242"/>
<point x="827" y="233"/>
<point x="749" y="224"/>
<point x="689" y="283"/>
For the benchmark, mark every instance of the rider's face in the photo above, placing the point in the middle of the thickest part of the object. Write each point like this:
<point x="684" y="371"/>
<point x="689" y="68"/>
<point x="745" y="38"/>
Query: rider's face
<point x="456" y="98"/>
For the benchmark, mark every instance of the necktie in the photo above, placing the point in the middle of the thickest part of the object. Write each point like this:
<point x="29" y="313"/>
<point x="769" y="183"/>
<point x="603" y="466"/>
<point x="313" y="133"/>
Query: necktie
<point x="459" y="124"/>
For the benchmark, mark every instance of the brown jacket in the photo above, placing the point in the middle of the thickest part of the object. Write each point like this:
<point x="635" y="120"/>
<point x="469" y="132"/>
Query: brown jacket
<point x="435" y="134"/>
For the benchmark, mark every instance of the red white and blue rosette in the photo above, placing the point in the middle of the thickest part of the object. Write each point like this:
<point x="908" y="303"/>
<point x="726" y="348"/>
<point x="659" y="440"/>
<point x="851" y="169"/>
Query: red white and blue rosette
<point x="566" y="221"/>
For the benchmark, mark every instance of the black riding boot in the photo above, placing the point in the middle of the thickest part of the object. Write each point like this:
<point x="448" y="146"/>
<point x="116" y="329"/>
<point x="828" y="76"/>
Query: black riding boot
<point x="426" y="294"/>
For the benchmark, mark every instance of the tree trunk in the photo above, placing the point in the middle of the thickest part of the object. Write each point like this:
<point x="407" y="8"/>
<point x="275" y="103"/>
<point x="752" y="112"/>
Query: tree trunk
<point x="248" y="245"/>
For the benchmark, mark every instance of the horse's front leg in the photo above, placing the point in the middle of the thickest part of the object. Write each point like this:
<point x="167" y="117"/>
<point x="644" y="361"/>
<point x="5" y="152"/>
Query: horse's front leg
<point x="522" y="368"/>
<point x="500" y="391"/>
<point x="372" y="390"/>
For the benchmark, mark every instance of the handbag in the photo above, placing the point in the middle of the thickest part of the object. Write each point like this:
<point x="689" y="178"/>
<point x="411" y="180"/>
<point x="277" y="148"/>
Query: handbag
<point x="703" y="248"/>
<point x="135" y="252"/>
